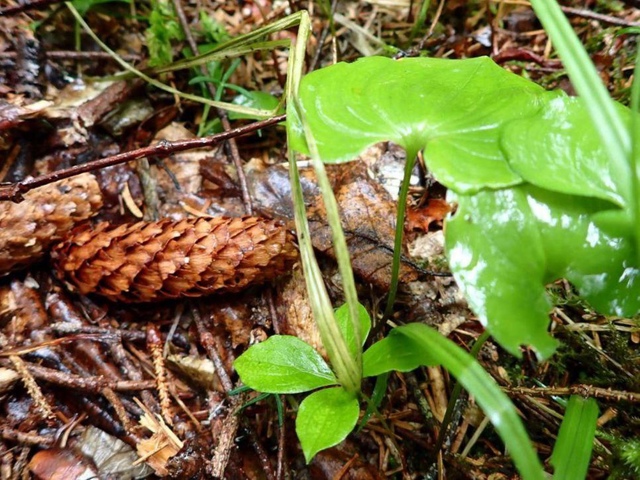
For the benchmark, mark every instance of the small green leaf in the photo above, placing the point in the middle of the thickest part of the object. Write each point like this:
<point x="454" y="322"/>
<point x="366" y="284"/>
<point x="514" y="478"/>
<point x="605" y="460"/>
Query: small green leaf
<point x="392" y="353"/>
<point x="257" y="100"/>
<point x="283" y="364"/>
<point x="163" y="30"/>
<point x="567" y="155"/>
<point x="452" y="108"/>
<point x="325" y="418"/>
<point x="425" y="342"/>
<point x="346" y="326"/>
<point x="572" y="451"/>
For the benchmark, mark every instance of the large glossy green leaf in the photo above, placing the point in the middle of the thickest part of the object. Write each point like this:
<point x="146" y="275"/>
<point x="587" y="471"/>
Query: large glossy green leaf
<point x="597" y="259"/>
<point x="418" y="341"/>
<point x="505" y="246"/>
<point x="325" y="418"/>
<point x="559" y="149"/>
<point x="452" y="108"/>
<point x="572" y="451"/>
<point x="496" y="255"/>
<point x="283" y="364"/>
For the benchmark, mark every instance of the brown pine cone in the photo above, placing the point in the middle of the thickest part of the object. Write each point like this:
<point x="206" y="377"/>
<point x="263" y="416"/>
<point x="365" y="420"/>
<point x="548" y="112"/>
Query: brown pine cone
<point x="46" y="215"/>
<point x="150" y="261"/>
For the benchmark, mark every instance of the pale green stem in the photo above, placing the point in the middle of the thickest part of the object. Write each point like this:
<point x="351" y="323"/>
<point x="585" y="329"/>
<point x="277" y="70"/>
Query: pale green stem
<point x="347" y="370"/>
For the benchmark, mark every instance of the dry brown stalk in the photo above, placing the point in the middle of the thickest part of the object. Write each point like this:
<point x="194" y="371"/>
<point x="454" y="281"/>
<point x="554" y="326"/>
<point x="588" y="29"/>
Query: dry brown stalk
<point x="28" y="229"/>
<point x="154" y="344"/>
<point x="150" y="261"/>
<point x="32" y="387"/>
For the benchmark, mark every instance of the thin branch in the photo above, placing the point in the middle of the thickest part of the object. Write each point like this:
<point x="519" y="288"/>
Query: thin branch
<point x="14" y="192"/>
<point x="27" y="438"/>
<point x="582" y="390"/>
<point x="72" y="55"/>
<point x="580" y="12"/>
<point x="86" y="384"/>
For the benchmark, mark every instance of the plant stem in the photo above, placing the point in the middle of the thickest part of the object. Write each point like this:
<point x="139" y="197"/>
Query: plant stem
<point x="397" y="244"/>
<point x="347" y="369"/>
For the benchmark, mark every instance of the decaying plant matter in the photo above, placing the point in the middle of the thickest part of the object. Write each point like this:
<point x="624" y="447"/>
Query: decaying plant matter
<point x="46" y="215"/>
<point x="149" y="261"/>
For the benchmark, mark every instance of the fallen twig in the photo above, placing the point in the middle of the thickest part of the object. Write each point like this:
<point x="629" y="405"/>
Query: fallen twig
<point x="15" y="191"/>
<point x="582" y="390"/>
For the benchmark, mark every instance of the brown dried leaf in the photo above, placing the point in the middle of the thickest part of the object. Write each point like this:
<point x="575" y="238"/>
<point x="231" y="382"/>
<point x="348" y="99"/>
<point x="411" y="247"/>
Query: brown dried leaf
<point x="419" y="219"/>
<point x="367" y="210"/>
<point x="368" y="217"/>
<point x="59" y="464"/>
<point x="29" y="228"/>
<point x="150" y="261"/>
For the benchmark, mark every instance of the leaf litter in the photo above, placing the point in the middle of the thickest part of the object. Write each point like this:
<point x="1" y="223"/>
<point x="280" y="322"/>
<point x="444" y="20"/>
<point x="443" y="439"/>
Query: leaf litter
<point x="105" y="352"/>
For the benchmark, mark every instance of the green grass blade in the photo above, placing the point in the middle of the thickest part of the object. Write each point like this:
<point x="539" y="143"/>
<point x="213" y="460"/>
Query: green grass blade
<point x="493" y="401"/>
<point x="347" y="368"/>
<point x="572" y="451"/>
<point x="635" y="132"/>
<point x="584" y="76"/>
<point x="196" y="98"/>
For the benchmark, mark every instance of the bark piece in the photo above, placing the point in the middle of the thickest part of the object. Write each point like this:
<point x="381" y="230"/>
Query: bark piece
<point x="149" y="261"/>
<point x="47" y="214"/>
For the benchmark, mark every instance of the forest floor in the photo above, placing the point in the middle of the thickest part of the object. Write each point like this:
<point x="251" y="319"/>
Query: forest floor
<point x="78" y="373"/>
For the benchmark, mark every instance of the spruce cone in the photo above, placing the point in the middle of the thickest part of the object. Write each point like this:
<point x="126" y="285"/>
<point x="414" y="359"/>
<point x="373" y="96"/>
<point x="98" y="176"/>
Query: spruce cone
<point x="150" y="261"/>
<point x="46" y="215"/>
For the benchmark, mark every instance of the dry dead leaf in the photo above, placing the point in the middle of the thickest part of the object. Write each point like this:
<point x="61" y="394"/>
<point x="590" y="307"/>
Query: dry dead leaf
<point x="61" y="464"/>
<point x="161" y="446"/>
<point x="368" y="215"/>
<point x="295" y="311"/>
<point x="368" y="218"/>
<point x="419" y="219"/>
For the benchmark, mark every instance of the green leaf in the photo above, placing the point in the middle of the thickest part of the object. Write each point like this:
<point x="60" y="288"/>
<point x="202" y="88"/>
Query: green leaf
<point x="496" y="255"/>
<point x="391" y="354"/>
<point x="427" y="343"/>
<point x="572" y="451"/>
<point x="257" y="100"/>
<point x="591" y="247"/>
<point x="346" y="326"/>
<point x="163" y="30"/>
<point x="609" y="125"/>
<point x="283" y="364"/>
<point x="453" y="108"/>
<point x="325" y="418"/>
<point x="566" y="154"/>
<point x="505" y="246"/>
